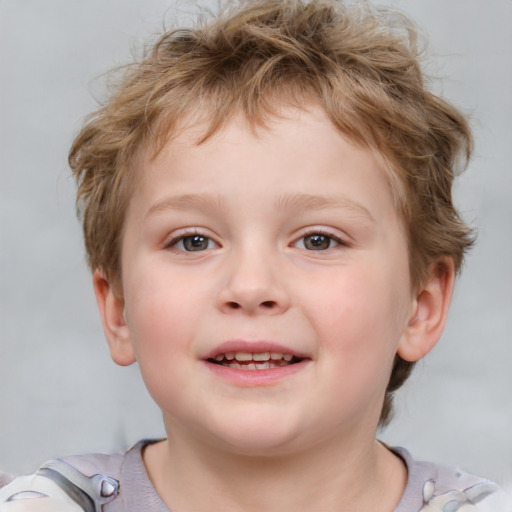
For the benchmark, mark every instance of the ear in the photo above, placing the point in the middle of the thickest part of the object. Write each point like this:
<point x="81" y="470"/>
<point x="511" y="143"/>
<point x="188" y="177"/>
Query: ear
<point x="429" y="314"/>
<point x="111" y="307"/>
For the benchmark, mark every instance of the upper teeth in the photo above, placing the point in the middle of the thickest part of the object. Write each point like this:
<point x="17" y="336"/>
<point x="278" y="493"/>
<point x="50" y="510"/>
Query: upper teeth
<point x="256" y="356"/>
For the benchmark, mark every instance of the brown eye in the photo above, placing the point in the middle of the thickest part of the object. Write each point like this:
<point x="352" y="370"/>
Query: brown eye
<point x="318" y="242"/>
<point x="193" y="243"/>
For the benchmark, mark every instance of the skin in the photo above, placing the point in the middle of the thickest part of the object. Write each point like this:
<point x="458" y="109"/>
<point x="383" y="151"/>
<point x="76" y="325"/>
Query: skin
<point x="307" y="437"/>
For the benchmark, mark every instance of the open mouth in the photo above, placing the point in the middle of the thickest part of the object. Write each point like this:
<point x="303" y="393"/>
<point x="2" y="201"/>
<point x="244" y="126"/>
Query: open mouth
<point x="254" y="361"/>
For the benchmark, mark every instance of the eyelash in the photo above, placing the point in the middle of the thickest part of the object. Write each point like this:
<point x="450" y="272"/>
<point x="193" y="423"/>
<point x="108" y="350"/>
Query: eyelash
<point x="195" y="233"/>
<point x="171" y="244"/>
<point x="339" y="241"/>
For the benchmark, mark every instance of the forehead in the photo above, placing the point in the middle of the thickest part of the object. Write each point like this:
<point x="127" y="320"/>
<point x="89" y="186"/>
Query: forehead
<point x="298" y="152"/>
<point x="283" y="132"/>
<point x="199" y="125"/>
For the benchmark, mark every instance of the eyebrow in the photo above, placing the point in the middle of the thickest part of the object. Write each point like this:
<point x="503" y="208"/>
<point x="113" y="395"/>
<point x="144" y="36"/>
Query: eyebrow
<point x="292" y="202"/>
<point x="314" y="202"/>
<point x="185" y="201"/>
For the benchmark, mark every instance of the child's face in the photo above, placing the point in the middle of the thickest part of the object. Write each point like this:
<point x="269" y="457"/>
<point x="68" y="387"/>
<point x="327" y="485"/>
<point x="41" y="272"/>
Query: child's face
<point x="285" y="243"/>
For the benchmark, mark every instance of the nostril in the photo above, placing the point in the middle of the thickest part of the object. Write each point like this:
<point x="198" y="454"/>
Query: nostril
<point x="266" y="305"/>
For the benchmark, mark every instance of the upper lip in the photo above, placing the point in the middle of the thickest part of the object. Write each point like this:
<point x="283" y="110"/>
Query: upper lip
<point x="253" y="347"/>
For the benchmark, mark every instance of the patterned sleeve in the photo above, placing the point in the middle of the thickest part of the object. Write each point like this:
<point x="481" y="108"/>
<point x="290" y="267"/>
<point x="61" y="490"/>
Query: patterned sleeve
<point x="484" y="496"/>
<point x="57" y="487"/>
<point x="439" y="488"/>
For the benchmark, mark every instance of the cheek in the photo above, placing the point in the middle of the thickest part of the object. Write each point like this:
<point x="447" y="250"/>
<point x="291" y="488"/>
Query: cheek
<point x="159" y="314"/>
<point x="160" y="337"/>
<point x="362" y="314"/>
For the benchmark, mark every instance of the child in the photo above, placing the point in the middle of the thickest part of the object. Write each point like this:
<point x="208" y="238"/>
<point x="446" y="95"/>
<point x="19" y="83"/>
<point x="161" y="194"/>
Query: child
<point x="267" y="213"/>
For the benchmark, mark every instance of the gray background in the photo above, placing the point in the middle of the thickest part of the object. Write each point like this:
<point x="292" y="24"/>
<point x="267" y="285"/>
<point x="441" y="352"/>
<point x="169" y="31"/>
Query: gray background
<point x="59" y="391"/>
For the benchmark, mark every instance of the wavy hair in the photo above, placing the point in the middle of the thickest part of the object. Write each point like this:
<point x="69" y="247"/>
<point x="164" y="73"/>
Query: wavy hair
<point x="361" y="64"/>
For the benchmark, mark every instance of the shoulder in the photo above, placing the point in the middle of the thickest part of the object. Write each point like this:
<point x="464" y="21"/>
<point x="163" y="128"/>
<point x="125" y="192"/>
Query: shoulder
<point x="5" y="478"/>
<point x="436" y="488"/>
<point x="75" y="484"/>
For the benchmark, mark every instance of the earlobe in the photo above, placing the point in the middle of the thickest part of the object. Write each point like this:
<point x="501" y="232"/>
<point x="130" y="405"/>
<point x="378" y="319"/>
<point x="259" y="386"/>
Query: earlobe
<point x="116" y="330"/>
<point x="429" y="314"/>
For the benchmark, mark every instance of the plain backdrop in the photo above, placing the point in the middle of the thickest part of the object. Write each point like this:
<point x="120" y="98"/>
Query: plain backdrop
<point x="59" y="391"/>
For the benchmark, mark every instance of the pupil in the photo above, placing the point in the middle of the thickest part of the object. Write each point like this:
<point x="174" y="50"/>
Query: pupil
<point x="317" y="242"/>
<point x="195" y="243"/>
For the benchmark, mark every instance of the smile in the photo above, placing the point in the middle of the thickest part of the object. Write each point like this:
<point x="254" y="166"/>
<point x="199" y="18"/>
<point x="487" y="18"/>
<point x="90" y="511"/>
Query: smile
<point x="254" y="361"/>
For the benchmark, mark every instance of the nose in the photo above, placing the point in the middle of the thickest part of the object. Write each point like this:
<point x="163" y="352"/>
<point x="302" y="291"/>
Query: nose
<point x="254" y="284"/>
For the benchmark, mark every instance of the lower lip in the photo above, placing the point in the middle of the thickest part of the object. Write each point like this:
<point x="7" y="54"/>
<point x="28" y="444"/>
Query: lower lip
<point x="256" y="377"/>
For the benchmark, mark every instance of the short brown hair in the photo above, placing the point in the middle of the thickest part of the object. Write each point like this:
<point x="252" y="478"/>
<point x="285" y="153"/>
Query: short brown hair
<point x="361" y="64"/>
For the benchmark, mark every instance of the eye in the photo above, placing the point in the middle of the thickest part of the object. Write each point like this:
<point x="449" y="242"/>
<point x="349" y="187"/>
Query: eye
<point x="191" y="243"/>
<point x="317" y="242"/>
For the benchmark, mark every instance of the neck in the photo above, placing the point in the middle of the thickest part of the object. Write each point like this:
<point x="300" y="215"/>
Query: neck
<point x="341" y="477"/>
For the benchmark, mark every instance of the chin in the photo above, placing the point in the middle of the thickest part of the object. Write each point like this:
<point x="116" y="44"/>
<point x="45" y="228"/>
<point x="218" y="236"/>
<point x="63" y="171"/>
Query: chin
<point x="261" y="438"/>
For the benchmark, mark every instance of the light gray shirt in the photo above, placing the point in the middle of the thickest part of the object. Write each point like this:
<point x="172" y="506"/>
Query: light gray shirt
<point x="430" y="488"/>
